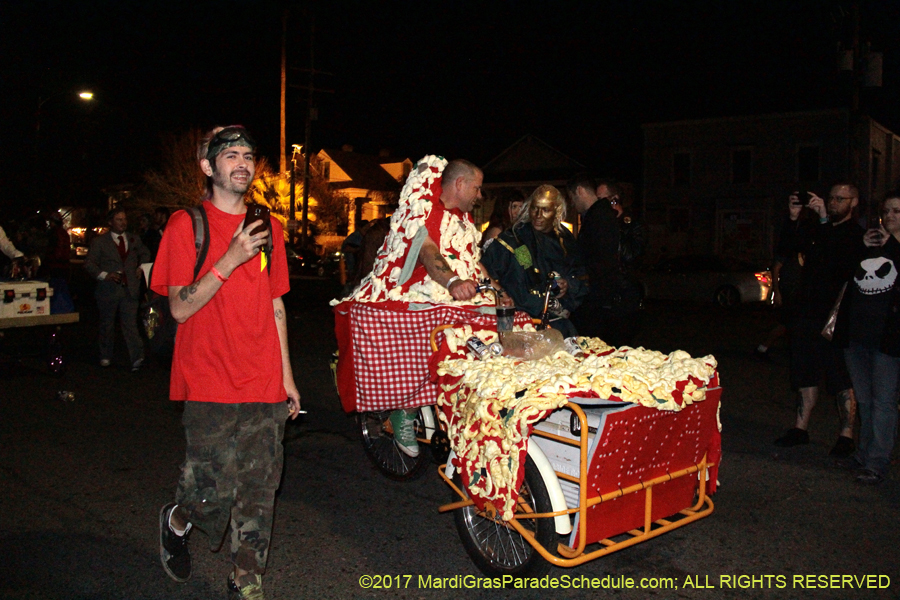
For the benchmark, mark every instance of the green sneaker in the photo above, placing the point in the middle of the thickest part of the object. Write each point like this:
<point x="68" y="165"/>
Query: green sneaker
<point x="404" y="425"/>
<point x="248" y="591"/>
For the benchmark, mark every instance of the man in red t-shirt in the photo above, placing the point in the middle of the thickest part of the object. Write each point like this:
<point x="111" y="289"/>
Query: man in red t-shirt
<point x="232" y="367"/>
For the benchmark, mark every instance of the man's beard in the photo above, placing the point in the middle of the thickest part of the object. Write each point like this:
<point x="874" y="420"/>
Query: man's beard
<point x="839" y="213"/>
<point x="226" y="183"/>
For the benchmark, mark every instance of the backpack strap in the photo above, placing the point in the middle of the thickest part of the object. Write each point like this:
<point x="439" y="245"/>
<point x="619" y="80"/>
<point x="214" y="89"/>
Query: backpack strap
<point x="200" y="225"/>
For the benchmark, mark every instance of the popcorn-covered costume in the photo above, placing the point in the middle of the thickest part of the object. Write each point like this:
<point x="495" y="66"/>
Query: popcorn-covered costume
<point x="383" y="328"/>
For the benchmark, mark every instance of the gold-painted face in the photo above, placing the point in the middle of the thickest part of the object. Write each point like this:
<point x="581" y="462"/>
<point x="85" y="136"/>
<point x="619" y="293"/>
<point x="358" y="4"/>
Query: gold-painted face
<point x="542" y="213"/>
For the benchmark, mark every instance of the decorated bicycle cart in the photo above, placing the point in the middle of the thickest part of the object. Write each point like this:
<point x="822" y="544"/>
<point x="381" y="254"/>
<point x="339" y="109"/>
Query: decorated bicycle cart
<point x="626" y="441"/>
<point x="604" y="449"/>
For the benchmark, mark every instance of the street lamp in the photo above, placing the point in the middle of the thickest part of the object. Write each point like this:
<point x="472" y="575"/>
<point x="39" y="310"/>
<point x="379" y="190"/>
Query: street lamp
<point x="292" y="221"/>
<point x="85" y="95"/>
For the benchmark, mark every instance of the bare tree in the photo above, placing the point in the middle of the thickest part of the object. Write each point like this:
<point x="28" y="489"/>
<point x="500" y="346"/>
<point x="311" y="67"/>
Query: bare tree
<point x="179" y="183"/>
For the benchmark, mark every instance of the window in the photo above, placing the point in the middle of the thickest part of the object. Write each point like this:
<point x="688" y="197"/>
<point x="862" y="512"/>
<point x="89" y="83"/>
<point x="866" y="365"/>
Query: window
<point x="326" y="170"/>
<point x="681" y="169"/>
<point x="808" y="163"/>
<point x="741" y="165"/>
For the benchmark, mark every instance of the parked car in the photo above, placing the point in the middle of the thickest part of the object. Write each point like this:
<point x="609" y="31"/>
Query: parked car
<point x="727" y="282"/>
<point x="305" y="261"/>
<point x="330" y="264"/>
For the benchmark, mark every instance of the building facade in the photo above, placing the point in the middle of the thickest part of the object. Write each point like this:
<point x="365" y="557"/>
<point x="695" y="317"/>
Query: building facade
<point x="721" y="185"/>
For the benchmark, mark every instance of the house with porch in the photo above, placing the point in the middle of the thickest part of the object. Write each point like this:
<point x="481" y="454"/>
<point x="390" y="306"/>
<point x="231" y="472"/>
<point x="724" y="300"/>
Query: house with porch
<point x="371" y="184"/>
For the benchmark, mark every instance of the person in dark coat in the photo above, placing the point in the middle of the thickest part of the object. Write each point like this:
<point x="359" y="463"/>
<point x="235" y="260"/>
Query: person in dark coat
<point x="600" y="315"/>
<point x="628" y="298"/>
<point x="831" y="253"/>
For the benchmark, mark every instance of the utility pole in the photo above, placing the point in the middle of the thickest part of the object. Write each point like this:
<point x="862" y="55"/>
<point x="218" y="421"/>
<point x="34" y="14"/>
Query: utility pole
<point x="309" y="118"/>
<point x="312" y="114"/>
<point x="282" y="163"/>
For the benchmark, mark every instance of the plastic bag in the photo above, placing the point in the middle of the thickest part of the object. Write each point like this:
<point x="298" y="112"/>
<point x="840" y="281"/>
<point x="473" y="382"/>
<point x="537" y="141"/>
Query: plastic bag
<point x="532" y="345"/>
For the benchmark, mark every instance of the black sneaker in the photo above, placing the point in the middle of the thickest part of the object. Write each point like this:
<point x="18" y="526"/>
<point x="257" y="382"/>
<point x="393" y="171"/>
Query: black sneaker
<point x="249" y="591"/>
<point x="793" y="437"/>
<point x="843" y="447"/>
<point x="173" y="548"/>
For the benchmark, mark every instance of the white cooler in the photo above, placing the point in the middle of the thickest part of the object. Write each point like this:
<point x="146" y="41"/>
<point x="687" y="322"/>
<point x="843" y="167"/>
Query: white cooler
<point x="565" y="458"/>
<point x="24" y="298"/>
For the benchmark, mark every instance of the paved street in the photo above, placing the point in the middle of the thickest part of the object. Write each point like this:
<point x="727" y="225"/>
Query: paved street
<point x="83" y="482"/>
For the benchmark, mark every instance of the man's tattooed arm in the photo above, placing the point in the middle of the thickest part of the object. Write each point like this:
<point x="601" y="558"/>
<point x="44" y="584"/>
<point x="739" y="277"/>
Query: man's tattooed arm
<point x="435" y="265"/>
<point x="186" y="300"/>
<point x="187" y="292"/>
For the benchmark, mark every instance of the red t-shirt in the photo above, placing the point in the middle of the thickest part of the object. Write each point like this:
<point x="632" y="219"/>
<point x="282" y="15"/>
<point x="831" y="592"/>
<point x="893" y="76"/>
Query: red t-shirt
<point x="229" y="350"/>
<point x="435" y="232"/>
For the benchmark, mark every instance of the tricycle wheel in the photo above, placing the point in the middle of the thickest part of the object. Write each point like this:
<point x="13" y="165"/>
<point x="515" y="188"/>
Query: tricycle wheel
<point x="495" y="547"/>
<point x="378" y="442"/>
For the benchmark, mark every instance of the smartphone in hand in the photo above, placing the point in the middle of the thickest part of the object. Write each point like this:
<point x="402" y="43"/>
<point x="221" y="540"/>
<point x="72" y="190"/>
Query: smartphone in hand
<point x="255" y="212"/>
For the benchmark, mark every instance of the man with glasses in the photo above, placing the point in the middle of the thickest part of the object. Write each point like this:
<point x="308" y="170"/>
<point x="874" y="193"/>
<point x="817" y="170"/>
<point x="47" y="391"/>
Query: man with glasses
<point x="831" y="251"/>
<point x="232" y="367"/>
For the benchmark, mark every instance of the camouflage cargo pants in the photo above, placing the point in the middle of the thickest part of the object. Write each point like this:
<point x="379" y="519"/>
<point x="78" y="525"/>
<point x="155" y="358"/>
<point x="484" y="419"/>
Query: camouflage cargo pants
<point x="232" y="468"/>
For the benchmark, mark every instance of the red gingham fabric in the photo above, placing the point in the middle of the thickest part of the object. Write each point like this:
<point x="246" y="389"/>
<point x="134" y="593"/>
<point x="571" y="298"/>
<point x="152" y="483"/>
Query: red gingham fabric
<point x="391" y="350"/>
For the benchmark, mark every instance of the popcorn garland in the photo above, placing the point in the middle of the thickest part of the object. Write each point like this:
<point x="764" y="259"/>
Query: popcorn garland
<point x="493" y="404"/>
<point x="647" y="377"/>
<point x="458" y="245"/>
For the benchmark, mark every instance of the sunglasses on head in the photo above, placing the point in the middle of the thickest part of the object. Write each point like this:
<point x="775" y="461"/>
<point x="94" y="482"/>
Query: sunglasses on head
<point x="230" y="136"/>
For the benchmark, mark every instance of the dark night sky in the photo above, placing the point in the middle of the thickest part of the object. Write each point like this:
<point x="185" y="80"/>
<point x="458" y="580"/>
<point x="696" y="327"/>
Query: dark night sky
<point x="456" y="78"/>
